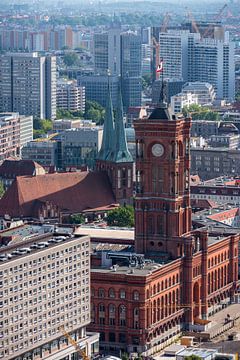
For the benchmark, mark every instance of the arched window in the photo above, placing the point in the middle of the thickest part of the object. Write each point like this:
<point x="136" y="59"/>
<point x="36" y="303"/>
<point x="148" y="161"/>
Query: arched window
<point x="154" y="289"/>
<point x="101" y="293"/>
<point x="135" y="295"/>
<point x="111" y="314"/>
<point x="92" y="292"/>
<point x="122" y="315"/>
<point x="111" y="293"/>
<point x="93" y="314"/>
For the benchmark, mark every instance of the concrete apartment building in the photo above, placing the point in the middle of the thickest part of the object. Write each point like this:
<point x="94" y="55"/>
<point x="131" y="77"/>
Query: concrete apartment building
<point x="45" y="285"/>
<point x="28" y="84"/>
<point x="70" y="96"/>
<point x="204" y="91"/>
<point x="15" y="131"/>
<point x="179" y="101"/>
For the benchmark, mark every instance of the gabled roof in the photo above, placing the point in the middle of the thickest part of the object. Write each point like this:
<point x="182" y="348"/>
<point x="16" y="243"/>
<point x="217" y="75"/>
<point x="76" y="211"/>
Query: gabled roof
<point x="70" y="192"/>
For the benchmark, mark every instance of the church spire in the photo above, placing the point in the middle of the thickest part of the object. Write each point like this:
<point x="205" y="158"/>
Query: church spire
<point x="108" y="129"/>
<point x="121" y="153"/>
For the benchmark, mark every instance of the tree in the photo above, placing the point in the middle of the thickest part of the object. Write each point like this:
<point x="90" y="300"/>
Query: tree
<point x="77" y="219"/>
<point x="94" y="111"/>
<point x="41" y="127"/>
<point x="121" y="217"/>
<point x="70" y="59"/>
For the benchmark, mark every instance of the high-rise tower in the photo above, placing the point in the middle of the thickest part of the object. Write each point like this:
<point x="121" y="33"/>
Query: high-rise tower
<point x="114" y="156"/>
<point x="162" y="207"/>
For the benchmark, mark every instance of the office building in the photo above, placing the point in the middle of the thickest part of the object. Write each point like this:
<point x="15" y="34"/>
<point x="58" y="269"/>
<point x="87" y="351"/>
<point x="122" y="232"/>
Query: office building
<point x="96" y="87"/>
<point x="26" y="129"/>
<point x="171" y="88"/>
<point x="175" y="50"/>
<point x="107" y="53"/>
<point x="80" y="146"/>
<point x="70" y="96"/>
<point x="213" y="62"/>
<point x="45" y="285"/>
<point x="28" y="84"/>
<point x="210" y="163"/>
<point x="131" y="69"/>
<point x="43" y="151"/>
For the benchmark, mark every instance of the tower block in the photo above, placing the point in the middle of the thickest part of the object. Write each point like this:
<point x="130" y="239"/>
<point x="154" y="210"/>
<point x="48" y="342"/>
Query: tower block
<point x="162" y="206"/>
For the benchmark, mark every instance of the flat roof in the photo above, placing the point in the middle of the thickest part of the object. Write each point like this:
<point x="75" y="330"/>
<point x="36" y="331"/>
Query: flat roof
<point x="108" y="233"/>
<point x="202" y="353"/>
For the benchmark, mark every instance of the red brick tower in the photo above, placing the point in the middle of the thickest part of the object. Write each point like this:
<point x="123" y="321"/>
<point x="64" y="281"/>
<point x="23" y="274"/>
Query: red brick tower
<point x="162" y="207"/>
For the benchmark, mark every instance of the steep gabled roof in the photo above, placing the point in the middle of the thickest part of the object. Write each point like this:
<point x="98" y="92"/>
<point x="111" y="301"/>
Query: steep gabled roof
<point x="71" y="192"/>
<point x="12" y="167"/>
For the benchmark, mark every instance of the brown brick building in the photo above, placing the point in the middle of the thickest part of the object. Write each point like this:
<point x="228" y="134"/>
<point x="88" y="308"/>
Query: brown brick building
<point x="140" y="302"/>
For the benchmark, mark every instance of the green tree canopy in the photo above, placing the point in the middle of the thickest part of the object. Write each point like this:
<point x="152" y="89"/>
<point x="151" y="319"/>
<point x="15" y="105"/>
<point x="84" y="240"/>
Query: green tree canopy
<point x="70" y="59"/>
<point x="122" y="217"/>
<point x="94" y="111"/>
<point x="198" y="112"/>
<point x="77" y="219"/>
<point x="41" y="127"/>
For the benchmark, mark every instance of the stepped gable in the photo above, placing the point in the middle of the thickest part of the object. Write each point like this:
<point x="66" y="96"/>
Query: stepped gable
<point x="71" y="192"/>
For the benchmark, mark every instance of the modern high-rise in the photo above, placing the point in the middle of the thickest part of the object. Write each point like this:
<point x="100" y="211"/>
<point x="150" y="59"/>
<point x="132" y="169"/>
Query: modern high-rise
<point x="213" y="62"/>
<point x="28" y="84"/>
<point x="120" y="54"/>
<point x="107" y="52"/>
<point x="131" y="61"/>
<point x="186" y="56"/>
<point x="175" y="51"/>
<point x="44" y="288"/>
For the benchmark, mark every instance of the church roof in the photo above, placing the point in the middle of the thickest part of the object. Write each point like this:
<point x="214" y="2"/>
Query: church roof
<point x="71" y="192"/>
<point x="114" y="144"/>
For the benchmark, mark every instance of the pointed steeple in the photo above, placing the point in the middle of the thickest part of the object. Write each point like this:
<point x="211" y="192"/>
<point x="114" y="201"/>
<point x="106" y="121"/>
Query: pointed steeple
<point x="108" y="129"/>
<point x="121" y="153"/>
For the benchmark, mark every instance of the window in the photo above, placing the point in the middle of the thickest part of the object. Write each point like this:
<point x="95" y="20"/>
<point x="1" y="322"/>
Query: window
<point x="111" y="293"/>
<point x="122" y="294"/>
<point x="135" y="295"/>
<point x="101" y="293"/>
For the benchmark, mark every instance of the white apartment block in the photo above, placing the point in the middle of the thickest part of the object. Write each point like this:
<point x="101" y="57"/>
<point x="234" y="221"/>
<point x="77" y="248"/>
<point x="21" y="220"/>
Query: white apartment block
<point x="205" y="92"/>
<point x="70" y="96"/>
<point x="45" y="285"/>
<point x="179" y="101"/>
<point x="28" y="84"/>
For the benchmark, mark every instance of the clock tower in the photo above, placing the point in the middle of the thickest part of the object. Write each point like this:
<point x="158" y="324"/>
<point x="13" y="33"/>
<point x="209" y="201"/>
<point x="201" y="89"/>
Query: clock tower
<point x="162" y="206"/>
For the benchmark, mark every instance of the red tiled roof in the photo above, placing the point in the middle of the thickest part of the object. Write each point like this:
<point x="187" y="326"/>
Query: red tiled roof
<point x="11" y="168"/>
<point x="202" y="203"/>
<point x="71" y="192"/>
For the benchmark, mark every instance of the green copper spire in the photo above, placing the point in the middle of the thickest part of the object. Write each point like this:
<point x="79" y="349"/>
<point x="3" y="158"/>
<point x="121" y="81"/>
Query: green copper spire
<point x="121" y="153"/>
<point x="108" y="129"/>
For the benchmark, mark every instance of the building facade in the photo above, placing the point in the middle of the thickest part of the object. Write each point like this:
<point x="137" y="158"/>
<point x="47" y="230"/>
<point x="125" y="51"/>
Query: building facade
<point x="70" y="96"/>
<point x="28" y="84"/>
<point x="10" y="135"/>
<point x="45" y="285"/>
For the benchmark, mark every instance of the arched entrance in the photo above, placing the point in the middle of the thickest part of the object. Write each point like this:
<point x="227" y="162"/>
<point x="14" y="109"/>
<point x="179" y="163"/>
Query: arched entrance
<point x="196" y="300"/>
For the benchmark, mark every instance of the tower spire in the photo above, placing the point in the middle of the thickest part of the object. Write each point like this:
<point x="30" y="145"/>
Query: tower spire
<point x="121" y="153"/>
<point x="108" y="128"/>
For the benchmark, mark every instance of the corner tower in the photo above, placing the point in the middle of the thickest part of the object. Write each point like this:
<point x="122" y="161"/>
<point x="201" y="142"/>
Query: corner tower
<point x="114" y="156"/>
<point x="162" y="207"/>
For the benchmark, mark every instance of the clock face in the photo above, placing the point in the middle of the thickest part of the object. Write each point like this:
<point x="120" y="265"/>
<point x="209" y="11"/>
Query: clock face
<point x="157" y="150"/>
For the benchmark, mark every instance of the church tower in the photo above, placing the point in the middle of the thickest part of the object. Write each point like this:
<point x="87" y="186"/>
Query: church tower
<point x="162" y="206"/>
<point x="114" y="156"/>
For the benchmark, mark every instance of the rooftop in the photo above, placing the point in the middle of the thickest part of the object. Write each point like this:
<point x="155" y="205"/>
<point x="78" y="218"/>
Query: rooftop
<point x="31" y="239"/>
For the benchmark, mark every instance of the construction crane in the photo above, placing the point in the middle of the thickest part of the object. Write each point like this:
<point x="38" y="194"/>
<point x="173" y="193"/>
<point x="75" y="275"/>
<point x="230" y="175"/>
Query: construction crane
<point x="74" y="343"/>
<point x="217" y="17"/>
